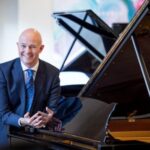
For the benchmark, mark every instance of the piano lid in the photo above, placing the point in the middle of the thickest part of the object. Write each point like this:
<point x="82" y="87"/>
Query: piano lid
<point x="124" y="74"/>
<point x="89" y="30"/>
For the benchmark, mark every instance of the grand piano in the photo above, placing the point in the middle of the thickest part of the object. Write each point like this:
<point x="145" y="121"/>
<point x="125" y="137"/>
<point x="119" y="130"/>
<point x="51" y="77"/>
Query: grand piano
<point x="115" y="101"/>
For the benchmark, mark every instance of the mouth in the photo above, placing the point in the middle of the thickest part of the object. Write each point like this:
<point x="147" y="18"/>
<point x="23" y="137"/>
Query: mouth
<point x="29" y="56"/>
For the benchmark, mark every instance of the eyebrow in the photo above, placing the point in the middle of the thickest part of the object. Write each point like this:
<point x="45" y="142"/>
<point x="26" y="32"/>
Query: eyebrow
<point x="28" y="45"/>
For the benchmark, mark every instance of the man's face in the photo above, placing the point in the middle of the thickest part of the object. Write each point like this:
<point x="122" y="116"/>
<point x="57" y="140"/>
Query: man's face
<point x="29" y="47"/>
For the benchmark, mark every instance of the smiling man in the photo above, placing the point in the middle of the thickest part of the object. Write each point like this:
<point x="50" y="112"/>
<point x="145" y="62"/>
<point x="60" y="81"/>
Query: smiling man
<point x="29" y="47"/>
<point x="29" y="87"/>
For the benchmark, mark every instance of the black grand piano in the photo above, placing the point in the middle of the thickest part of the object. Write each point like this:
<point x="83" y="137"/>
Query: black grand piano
<point x="115" y="112"/>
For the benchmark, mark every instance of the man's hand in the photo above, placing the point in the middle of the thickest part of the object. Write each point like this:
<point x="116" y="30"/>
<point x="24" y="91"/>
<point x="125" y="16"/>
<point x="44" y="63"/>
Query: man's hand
<point x="25" y="120"/>
<point x="38" y="120"/>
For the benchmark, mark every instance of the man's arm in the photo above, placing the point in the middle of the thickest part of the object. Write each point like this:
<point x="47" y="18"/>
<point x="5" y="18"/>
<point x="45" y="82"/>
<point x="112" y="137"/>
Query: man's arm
<point x="55" y="93"/>
<point x="8" y="117"/>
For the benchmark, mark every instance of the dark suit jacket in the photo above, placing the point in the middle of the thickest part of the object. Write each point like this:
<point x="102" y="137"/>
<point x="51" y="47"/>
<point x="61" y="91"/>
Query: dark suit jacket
<point x="12" y="93"/>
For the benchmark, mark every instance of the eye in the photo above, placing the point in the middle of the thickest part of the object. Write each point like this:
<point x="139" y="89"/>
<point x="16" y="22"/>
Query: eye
<point x="23" y="46"/>
<point x="32" y="46"/>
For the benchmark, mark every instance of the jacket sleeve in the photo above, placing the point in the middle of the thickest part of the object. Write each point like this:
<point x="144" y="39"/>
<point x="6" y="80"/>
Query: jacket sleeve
<point x="55" y="93"/>
<point x="6" y="115"/>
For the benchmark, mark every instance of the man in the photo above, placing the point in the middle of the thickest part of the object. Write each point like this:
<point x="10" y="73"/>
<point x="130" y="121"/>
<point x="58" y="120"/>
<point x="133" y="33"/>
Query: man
<point x="13" y="90"/>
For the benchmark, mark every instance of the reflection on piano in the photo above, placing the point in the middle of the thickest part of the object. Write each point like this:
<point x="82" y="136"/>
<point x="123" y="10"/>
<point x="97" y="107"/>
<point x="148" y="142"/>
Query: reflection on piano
<point x="115" y="102"/>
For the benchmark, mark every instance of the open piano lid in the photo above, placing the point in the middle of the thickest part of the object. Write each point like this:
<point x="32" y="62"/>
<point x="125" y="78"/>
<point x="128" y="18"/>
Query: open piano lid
<point x="123" y="76"/>
<point x="89" y="30"/>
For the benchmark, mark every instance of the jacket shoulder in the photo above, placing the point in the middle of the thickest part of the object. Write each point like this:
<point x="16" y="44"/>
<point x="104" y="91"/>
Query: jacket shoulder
<point x="8" y="64"/>
<point x="48" y="66"/>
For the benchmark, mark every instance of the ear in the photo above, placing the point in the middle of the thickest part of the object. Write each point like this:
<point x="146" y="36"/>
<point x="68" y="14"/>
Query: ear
<point x="41" y="48"/>
<point x="17" y="43"/>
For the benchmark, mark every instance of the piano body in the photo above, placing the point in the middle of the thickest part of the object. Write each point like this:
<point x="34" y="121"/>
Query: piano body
<point x="115" y="101"/>
<point x="124" y="77"/>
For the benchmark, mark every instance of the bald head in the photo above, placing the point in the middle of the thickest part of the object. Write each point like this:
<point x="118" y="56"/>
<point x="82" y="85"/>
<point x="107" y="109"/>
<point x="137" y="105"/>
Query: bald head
<point x="31" y="33"/>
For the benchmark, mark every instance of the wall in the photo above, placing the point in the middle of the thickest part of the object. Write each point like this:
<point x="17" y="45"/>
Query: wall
<point x="16" y="15"/>
<point x="8" y="29"/>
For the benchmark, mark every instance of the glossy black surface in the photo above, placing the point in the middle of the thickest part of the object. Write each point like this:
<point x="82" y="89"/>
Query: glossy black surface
<point x="124" y="75"/>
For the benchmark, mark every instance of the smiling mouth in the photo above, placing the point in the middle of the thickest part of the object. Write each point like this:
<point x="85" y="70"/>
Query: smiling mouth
<point x="27" y="56"/>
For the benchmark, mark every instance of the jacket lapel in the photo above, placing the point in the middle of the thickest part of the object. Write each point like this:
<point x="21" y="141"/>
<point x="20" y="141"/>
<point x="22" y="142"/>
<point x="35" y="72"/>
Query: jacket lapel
<point x="39" y="84"/>
<point x="19" y="78"/>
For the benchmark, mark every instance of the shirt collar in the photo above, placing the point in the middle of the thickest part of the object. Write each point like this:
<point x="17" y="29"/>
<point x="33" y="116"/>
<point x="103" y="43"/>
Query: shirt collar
<point x="35" y="67"/>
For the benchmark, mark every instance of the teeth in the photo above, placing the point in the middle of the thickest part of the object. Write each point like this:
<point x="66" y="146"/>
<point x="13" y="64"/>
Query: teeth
<point x="27" y="56"/>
